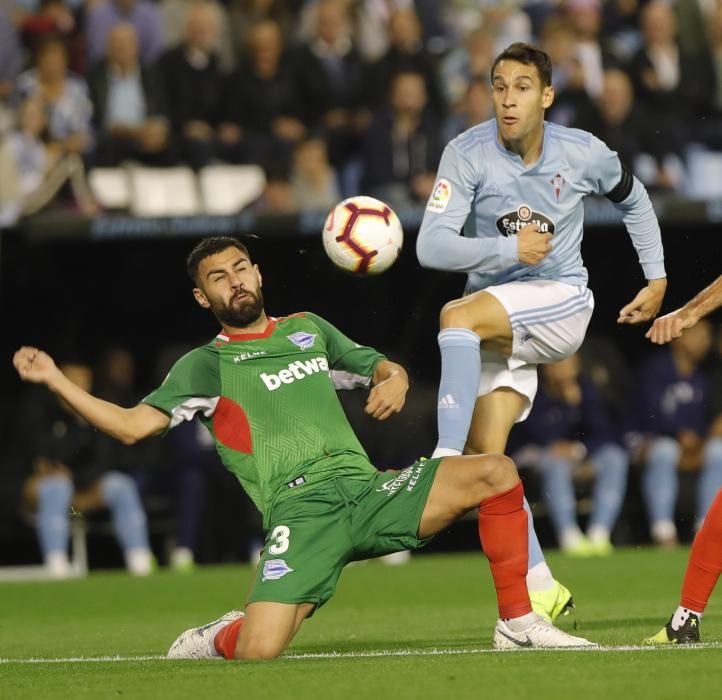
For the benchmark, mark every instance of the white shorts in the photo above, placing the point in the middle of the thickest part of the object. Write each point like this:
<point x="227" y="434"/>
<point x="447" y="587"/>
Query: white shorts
<point x="548" y="323"/>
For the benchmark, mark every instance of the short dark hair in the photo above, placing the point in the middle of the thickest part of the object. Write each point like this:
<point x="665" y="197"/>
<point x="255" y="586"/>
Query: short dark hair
<point x="528" y="55"/>
<point x="206" y="248"/>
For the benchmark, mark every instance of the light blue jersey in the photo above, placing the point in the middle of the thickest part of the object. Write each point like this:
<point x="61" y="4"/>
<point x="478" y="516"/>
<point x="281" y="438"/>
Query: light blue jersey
<point x="488" y="193"/>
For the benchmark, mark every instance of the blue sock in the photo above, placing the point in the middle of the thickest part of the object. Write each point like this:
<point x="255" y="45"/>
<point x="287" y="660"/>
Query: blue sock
<point x="460" y="376"/>
<point x="54" y="496"/>
<point x="120" y="494"/>
<point x="611" y="463"/>
<point x="536" y="556"/>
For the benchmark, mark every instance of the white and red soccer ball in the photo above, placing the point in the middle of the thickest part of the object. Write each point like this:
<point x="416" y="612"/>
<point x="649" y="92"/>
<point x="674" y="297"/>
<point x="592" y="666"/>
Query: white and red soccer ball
<point x="362" y="235"/>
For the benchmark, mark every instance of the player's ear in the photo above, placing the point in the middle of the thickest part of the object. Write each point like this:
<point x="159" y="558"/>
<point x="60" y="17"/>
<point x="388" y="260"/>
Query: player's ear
<point x="201" y="298"/>
<point x="547" y="96"/>
<point x="258" y="274"/>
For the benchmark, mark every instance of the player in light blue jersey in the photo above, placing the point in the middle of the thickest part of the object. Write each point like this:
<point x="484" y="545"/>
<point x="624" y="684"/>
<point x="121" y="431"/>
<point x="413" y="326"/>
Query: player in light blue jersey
<point x="507" y="209"/>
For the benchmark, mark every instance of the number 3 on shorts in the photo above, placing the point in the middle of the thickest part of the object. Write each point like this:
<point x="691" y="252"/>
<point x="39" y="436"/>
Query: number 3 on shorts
<point x="280" y="537"/>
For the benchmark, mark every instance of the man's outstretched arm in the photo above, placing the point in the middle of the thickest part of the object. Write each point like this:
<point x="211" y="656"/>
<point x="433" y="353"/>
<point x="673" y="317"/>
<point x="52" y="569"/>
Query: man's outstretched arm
<point x="671" y="326"/>
<point x="126" y="424"/>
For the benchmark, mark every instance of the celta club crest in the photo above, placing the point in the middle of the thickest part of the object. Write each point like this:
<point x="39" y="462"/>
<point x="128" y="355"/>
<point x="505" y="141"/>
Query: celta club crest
<point x="557" y="182"/>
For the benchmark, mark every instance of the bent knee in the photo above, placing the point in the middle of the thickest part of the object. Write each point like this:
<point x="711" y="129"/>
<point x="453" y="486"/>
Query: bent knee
<point x="499" y="473"/>
<point x="116" y="484"/>
<point x="456" y="314"/>
<point x="55" y="486"/>
<point x="663" y="451"/>
<point x="258" y="649"/>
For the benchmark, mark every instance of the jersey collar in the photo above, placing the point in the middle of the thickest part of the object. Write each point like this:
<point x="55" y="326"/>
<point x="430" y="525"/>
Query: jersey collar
<point x="240" y="337"/>
<point x="517" y="158"/>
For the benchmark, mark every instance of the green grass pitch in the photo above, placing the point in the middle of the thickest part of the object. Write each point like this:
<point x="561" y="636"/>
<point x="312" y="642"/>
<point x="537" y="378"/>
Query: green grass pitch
<point x="417" y="631"/>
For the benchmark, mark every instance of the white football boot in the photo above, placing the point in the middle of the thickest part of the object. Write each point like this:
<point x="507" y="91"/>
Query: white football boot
<point x="539" y="634"/>
<point x="197" y="642"/>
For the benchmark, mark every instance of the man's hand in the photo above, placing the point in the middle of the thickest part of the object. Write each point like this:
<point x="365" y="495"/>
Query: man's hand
<point x="669" y="327"/>
<point x="389" y="395"/>
<point x="35" y="366"/>
<point x="532" y="246"/>
<point x="646" y="304"/>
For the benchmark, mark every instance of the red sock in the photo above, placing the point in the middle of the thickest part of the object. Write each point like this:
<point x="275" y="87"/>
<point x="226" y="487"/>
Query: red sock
<point x="226" y="638"/>
<point x="505" y="540"/>
<point x="705" y="560"/>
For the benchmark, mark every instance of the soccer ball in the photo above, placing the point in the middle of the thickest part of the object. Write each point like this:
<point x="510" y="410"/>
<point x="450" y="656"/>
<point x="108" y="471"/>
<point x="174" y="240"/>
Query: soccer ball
<point x="362" y="235"/>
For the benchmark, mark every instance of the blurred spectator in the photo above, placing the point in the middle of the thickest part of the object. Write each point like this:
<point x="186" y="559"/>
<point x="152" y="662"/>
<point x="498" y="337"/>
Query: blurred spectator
<point x="129" y="112"/>
<point x="329" y="77"/>
<point x="402" y="147"/>
<point x="277" y="197"/>
<point x="465" y="64"/>
<point x="262" y="105"/>
<point x="11" y="60"/>
<point x="370" y="26"/>
<point x="593" y="53"/>
<point x="103" y="15"/>
<point x="65" y="98"/>
<point x="571" y="425"/>
<point x="9" y="191"/>
<point x="313" y="180"/>
<point x="620" y="25"/>
<point x="616" y="120"/>
<point x="243" y="14"/>
<point x="434" y="32"/>
<point x="715" y="31"/>
<point x="668" y="82"/>
<point x="192" y="456"/>
<point x="54" y="18"/>
<point x="606" y="366"/>
<point x="68" y="473"/>
<point x="194" y="87"/>
<point x="406" y="52"/>
<point x="475" y="107"/>
<point x="673" y="396"/>
<point x="709" y="131"/>
<point x="558" y="39"/>
<point x="174" y="14"/>
<point x="505" y="21"/>
<point x="694" y="18"/>
<point x="33" y="173"/>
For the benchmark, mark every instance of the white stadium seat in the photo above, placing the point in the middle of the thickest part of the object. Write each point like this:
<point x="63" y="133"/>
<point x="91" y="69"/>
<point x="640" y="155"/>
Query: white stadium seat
<point x="705" y="171"/>
<point x="227" y="189"/>
<point x="110" y="187"/>
<point x="163" y="191"/>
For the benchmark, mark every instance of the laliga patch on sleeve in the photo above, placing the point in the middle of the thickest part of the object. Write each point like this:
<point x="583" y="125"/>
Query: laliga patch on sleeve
<point x="440" y="196"/>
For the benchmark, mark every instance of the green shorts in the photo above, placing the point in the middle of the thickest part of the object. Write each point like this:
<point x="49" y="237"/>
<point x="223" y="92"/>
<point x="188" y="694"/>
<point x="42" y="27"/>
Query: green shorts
<point x="313" y="535"/>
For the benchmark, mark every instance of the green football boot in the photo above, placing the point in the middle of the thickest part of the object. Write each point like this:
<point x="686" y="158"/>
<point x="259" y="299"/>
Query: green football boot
<point x="688" y="633"/>
<point x="552" y="603"/>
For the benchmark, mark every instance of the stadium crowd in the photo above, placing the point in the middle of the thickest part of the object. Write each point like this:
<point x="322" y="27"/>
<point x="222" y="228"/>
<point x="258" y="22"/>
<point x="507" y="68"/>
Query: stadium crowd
<point x="335" y="97"/>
